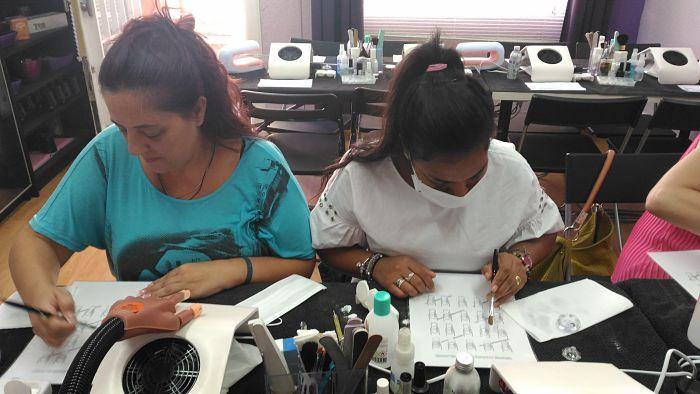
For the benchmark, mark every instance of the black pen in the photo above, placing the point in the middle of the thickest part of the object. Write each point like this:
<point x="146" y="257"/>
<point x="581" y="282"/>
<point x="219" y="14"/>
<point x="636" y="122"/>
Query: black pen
<point x="42" y="312"/>
<point x="494" y="271"/>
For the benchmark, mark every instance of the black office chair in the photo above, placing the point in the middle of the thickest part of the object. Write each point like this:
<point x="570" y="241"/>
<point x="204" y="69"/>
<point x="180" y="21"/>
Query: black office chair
<point x="546" y="151"/>
<point x="367" y="109"/>
<point x="396" y="47"/>
<point x="630" y="179"/>
<point x="308" y="153"/>
<point x="671" y="114"/>
<point x="320" y="48"/>
<point x="619" y="132"/>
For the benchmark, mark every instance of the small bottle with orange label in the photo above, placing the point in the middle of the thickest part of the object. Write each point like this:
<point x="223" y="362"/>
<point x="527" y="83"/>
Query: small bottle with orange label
<point x="21" y="26"/>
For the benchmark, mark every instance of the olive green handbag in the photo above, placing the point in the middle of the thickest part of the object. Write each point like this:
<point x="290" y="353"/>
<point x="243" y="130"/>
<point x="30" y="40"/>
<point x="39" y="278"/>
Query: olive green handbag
<point x="586" y="248"/>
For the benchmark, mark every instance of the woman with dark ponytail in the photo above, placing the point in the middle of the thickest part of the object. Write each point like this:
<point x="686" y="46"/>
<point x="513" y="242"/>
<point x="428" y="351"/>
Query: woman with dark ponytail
<point x="435" y="192"/>
<point x="177" y="190"/>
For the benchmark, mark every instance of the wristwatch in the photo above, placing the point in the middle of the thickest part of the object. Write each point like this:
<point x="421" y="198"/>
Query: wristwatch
<point x="524" y="257"/>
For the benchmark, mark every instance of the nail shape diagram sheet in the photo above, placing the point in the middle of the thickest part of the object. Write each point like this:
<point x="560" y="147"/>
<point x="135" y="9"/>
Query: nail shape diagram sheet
<point x="453" y="319"/>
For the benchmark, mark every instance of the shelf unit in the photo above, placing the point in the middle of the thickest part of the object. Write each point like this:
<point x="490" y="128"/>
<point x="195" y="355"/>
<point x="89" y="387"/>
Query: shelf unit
<point x="40" y="108"/>
<point x="28" y="88"/>
<point x="36" y="39"/>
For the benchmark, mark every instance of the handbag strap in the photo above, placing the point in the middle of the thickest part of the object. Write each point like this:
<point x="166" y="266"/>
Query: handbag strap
<point x="571" y="232"/>
<point x="609" y="156"/>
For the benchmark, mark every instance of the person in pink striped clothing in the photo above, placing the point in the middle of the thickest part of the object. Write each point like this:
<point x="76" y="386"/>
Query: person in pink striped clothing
<point x="671" y="220"/>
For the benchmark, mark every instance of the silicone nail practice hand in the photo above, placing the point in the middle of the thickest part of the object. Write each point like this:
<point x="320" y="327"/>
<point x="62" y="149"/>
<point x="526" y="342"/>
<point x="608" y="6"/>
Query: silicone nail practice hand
<point x="150" y="315"/>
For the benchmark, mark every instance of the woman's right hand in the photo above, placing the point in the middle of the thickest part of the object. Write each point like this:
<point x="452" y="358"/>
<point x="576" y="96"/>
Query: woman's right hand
<point x="390" y="269"/>
<point x="54" y="329"/>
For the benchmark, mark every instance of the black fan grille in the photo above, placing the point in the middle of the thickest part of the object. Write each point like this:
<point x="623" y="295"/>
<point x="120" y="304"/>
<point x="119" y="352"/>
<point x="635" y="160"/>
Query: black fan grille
<point x="164" y="366"/>
<point x="675" y="58"/>
<point x="549" y="56"/>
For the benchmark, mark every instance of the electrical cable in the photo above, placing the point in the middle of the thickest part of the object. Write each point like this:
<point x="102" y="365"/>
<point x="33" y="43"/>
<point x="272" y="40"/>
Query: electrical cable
<point x="664" y="369"/>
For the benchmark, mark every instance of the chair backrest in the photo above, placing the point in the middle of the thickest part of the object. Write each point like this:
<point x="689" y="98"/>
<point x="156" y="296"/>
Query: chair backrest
<point x="630" y="179"/>
<point x="676" y="115"/>
<point x="579" y="112"/>
<point x="584" y="52"/>
<point x="396" y="47"/>
<point x="365" y="102"/>
<point x="305" y="107"/>
<point x="320" y="48"/>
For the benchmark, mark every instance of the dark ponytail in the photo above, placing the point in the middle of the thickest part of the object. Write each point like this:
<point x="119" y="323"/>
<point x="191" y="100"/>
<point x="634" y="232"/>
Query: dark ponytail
<point x="430" y="113"/>
<point x="175" y="66"/>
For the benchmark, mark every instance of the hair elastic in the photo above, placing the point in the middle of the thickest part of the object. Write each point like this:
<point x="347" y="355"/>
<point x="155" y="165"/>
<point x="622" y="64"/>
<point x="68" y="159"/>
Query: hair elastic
<point x="436" y="67"/>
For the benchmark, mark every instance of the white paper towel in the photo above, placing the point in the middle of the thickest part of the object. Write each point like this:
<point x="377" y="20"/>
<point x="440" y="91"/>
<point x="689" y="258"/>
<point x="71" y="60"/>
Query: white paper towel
<point x="590" y="302"/>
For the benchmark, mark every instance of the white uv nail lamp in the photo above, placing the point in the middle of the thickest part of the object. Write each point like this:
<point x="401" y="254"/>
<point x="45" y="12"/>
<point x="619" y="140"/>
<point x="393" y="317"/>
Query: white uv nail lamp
<point x="242" y="57"/>
<point x="487" y="55"/>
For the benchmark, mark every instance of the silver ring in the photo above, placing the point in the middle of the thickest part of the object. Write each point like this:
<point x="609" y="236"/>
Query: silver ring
<point x="410" y="276"/>
<point x="399" y="282"/>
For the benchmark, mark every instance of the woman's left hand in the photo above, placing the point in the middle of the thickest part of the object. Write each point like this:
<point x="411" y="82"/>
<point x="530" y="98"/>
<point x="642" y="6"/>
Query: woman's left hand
<point x="510" y="278"/>
<point x="201" y="279"/>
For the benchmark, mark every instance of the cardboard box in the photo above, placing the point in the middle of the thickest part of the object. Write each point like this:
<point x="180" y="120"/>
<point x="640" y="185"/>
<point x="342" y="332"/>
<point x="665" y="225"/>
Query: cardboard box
<point x="48" y="21"/>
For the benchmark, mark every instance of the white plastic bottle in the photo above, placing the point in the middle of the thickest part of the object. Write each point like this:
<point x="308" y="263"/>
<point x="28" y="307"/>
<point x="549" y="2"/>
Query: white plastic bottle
<point x="462" y="378"/>
<point x="401" y="359"/>
<point x="514" y="63"/>
<point x="383" y="322"/>
<point x="382" y="386"/>
<point x="342" y="61"/>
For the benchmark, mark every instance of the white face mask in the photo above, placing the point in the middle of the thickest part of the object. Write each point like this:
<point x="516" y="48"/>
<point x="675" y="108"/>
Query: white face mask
<point x="442" y="199"/>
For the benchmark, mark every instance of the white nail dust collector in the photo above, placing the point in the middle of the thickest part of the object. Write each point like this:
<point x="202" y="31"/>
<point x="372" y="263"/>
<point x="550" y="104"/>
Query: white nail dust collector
<point x="289" y="60"/>
<point x="548" y="63"/>
<point x="190" y="360"/>
<point x="672" y="65"/>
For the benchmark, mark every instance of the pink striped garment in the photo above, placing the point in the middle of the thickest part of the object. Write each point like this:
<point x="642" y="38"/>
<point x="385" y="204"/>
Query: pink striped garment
<point x="652" y="234"/>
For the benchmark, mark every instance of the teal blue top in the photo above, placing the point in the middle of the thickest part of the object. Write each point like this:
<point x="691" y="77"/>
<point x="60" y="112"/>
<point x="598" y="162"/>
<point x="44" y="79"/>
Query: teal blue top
<point x="105" y="200"/>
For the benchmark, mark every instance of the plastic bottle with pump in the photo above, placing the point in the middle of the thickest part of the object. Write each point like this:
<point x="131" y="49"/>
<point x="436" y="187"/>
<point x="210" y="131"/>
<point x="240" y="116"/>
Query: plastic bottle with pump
<point x="514" y="63"/>
<point x="401" y="358"/>
<point x="462" y="378"/>
<point x="383" y="322"/>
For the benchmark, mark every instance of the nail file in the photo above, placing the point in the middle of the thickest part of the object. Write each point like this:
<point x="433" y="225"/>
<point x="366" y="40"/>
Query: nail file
<point x="359" y="340"/>
<point x="341" y="362"/>
<point x="273" y="361"/>
<point x="349" y="328"/>
<point x="367" y="352"/>
<point x="358" y="371"/>
<point x="336" y="355"/>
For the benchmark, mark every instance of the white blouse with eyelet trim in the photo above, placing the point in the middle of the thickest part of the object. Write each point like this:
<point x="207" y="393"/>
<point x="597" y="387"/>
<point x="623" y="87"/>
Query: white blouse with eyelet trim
<point x="370" y="205"/>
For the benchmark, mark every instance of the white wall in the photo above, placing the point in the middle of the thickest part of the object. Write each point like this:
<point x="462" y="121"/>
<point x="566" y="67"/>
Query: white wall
<point x="281" y="20"/>
<point x="672" y="23"/>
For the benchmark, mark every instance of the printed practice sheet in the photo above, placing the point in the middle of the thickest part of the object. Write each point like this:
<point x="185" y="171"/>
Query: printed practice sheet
<point x="453" y="319"/>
